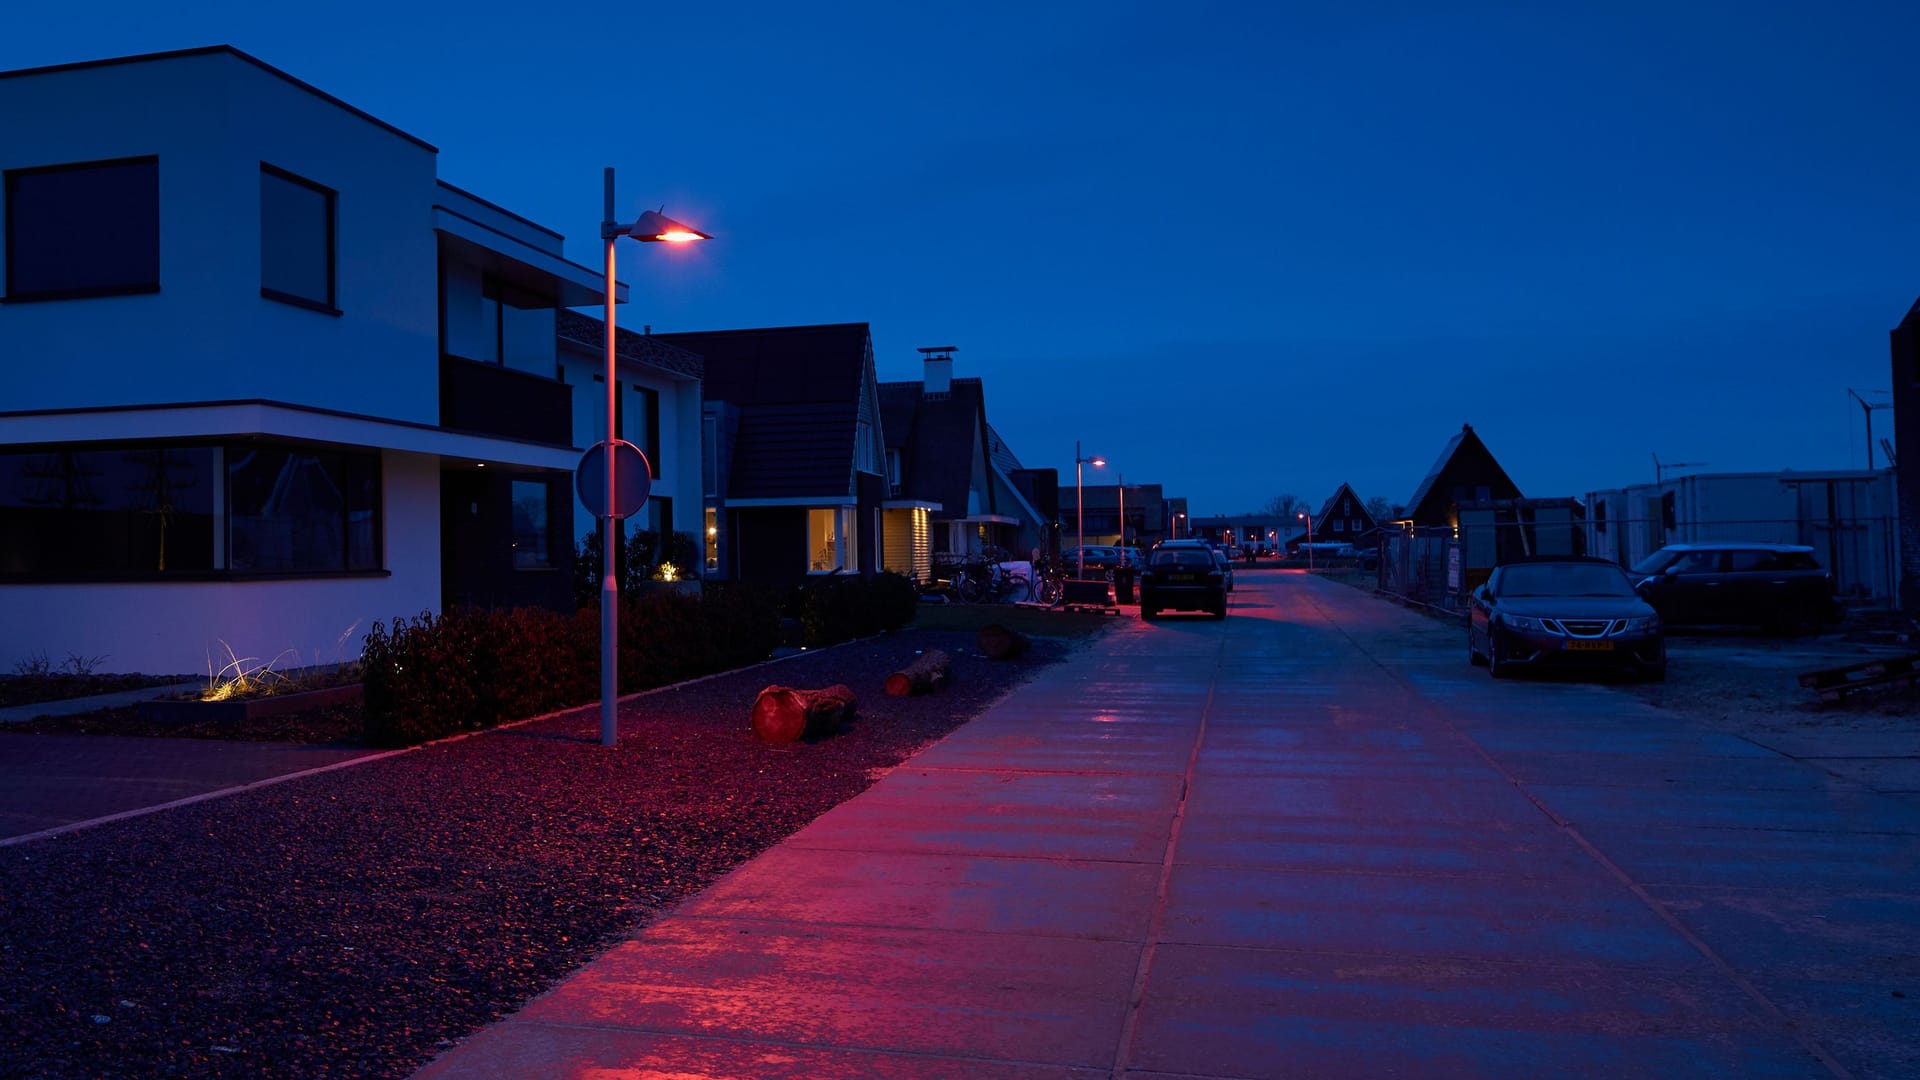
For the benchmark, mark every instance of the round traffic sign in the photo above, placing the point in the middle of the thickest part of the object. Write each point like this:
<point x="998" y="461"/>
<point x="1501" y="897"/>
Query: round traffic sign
<point x="632" y="479"/>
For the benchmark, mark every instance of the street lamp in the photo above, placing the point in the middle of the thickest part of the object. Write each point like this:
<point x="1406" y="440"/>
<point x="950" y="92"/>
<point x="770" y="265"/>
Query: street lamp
<point x="1177" y="519"/>
<point x="1080" y="507"/>
<point x="651" y="227"/>
<point x="1308" y="518"/>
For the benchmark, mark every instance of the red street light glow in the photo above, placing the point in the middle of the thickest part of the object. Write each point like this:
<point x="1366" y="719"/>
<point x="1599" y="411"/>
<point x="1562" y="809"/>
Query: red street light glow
<point x="679" y="236"/>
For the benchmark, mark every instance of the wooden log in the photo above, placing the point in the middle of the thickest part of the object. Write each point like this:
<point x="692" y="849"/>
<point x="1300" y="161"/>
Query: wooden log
<point x="929" y="671"/>
<point x="781" y="714"/>
<point x="1002" y="643"/>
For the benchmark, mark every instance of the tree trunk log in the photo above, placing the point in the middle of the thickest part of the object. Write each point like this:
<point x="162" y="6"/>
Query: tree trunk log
<point x="930" y="671"/>
<point x="782" y="714"/>
<point x="1002" y="643"/>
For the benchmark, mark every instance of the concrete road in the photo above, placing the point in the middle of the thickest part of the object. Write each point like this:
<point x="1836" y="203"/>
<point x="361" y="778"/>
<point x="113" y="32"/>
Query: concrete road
<point x="1309" y="841"/>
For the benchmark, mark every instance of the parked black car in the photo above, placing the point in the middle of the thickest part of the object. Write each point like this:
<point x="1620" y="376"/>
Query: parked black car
<point x="1564" y="612"/>
<point x="1183" y="575"/>
<point x="1778" y="586"/>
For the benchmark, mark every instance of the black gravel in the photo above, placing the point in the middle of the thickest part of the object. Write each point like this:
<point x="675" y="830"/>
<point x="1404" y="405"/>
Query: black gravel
<point x="357" y="922"/>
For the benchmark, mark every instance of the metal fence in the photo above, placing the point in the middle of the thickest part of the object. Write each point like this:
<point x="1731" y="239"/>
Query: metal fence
<point x="1439" y="566"/>
<point x="1414" y="566"/>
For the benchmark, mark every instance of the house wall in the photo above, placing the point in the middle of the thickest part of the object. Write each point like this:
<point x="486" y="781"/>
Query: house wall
<point x="677" y="474"/>
<point x="175" y="627"/>
<point x="1906" y="433"/>
<point x="907" y="547"/>
<point x="868" y="518"/>
<point x="212" y="119"/>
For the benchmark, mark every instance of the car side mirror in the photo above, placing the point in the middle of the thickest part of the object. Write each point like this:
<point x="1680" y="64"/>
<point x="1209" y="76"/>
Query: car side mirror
<point x="1671" y="571"/>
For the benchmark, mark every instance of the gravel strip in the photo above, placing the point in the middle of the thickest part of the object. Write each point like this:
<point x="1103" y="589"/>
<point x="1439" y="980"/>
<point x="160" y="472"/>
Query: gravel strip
<point x="357" y="922"/>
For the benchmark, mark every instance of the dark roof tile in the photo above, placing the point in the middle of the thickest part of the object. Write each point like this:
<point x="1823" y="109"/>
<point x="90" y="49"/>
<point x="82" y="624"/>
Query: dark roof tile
<point x="638" y="348"/>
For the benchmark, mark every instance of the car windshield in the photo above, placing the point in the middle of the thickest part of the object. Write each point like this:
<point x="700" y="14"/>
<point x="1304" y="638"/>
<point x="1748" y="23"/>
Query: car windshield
<point x="1564" y="579"/>
<point x="1654" y="563"/>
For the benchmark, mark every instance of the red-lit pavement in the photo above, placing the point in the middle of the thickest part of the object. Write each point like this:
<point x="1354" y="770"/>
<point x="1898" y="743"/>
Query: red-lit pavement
<point x="1306" y="842"/>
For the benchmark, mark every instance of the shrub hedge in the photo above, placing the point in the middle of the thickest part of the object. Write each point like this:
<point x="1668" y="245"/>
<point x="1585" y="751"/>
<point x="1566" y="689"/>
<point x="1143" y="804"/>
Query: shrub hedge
<point x="834" y="609"/>
<point x="437" y="675"/>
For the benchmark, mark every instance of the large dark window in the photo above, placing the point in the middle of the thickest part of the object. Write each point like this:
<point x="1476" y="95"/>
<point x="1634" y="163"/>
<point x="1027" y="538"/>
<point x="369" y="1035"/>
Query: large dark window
<point x="530" y="502"/>
<point x="292" y="511"/>
<point x="515" y="323"/>
<point x="296" y="240"/>
<point x="146" y="512"/>
<point x="83" y="230"/>
<point x="153" y="512"/>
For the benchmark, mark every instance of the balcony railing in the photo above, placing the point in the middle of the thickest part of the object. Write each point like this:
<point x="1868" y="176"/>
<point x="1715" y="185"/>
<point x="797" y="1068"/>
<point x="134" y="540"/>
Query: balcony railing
<point x="490" y="399"/>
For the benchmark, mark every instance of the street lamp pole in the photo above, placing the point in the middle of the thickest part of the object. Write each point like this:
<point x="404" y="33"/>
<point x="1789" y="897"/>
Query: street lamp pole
<point x="1308" y="517"/>
<point x="1080" y="506"/>
<point x="1120" y="482"/>
<point x="652" y="226"/>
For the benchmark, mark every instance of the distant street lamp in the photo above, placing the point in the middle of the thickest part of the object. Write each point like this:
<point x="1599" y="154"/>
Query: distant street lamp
<point x="653" y="226"/>
<point x="1177" y="519"/>
<point x="1308" y="518"/>
<point x="1867" y="408"/>
<point x="1080" y="507"/>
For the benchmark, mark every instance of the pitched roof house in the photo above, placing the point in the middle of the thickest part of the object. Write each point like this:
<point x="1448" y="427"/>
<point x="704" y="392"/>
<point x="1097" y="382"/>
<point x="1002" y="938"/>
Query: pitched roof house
<point x="1465" y="472"/>
<point x="940" y="458"/>
<point x="794" y="472"/>
<point x="1343" y="518"/>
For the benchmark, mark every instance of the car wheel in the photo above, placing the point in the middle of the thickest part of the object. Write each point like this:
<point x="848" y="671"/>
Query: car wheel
<point x="1148" y="612"/>
<point x="1473" y="654"/>
<point x="1496" y="667"/>
<point x="1654" y="674"/>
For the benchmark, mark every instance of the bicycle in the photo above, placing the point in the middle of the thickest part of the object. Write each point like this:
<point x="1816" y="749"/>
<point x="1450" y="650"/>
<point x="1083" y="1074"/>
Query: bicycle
<point x="1045" y="587"/>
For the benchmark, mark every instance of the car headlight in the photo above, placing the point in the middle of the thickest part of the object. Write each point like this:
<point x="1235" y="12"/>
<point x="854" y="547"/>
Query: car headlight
<point x="1521" y="622"/>
<point x="1641" y="626"/>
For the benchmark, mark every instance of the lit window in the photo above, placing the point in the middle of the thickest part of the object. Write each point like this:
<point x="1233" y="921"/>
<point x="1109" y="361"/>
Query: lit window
<point x="713" y="539"/>
<point x="823" y="540"/>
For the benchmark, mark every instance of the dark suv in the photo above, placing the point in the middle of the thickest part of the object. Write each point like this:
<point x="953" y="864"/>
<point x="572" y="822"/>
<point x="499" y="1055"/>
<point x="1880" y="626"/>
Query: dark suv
<point x="1182" y="575"/>
<point x="1779" y="586"/>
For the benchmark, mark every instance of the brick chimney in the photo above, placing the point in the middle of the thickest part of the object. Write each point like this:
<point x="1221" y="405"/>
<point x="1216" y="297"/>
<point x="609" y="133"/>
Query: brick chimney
<point x="939" y="369"/>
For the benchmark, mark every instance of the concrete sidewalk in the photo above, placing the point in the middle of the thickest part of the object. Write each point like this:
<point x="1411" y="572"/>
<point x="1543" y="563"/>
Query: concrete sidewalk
<point x="1309" y="841"/>
<point x="53" y="781"/>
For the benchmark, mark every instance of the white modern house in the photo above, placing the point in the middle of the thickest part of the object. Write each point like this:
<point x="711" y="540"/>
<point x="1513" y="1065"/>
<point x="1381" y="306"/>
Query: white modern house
<point x="657" y="401"/>
<point x="264" y="377"/>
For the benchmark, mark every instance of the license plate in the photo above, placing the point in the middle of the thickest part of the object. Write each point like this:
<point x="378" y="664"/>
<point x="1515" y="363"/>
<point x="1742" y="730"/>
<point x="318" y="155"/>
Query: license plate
<point x="1179" y="577"/>
<point x="1576" y="645"/>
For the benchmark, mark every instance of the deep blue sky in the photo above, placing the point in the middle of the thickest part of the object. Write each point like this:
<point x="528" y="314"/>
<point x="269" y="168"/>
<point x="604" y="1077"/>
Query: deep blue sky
<point x="1239" y="249"/>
